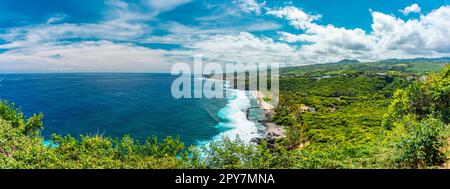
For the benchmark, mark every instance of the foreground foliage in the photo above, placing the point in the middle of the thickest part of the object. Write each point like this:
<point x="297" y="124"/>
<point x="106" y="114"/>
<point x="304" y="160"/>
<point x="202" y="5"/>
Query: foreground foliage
<point x="22" y="147"/>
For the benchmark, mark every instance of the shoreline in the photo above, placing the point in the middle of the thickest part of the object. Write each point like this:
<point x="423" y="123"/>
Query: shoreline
<point x="272" y="131"/>
<point x="234" y="116"/>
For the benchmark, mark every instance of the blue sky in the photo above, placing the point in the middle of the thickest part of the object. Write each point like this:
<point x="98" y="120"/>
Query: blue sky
<point x="152" y="35"/>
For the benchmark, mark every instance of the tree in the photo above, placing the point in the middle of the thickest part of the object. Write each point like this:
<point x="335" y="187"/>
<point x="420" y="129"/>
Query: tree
<point x="10" y="113"/>
<point x="399" y="107"/>
<point x="34" y="124"/>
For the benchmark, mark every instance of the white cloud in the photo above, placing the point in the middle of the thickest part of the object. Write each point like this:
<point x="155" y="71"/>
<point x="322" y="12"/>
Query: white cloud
<point x="122" y="23"/>
<point x="140" y="11"/>
<point x="166" y="5"/>
<point x="289" y="37"/>
<point x="244" y="48"/>
<point x="47" y="46"/>
<point x="173" y="39"/>
<point x="297" y="17"/>
<point x="121" y="11"/>
<point x="70" y="46"/>
<point x="323" y="43"/>
<point x="391" y="37"/>
<point x="56" y="18"/>
<point x="414" y="8"/>
<point x="177" y="28"/>
<point x="187" y="35"/>
<point x="85" y="56"/>
<point x="109" y="30"/>
<point x="427" y="35"/>
<point x="329" y="43"/>
<point x="250" y="6"/>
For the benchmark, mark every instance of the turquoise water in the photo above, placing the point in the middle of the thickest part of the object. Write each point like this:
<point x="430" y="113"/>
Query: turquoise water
<point x="114" y="105"/>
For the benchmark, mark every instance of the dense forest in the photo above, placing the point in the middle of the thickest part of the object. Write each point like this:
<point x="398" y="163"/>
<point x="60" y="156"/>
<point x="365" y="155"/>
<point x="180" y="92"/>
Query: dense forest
<point x="367" y="115"/>
<point x="389" y="114"/>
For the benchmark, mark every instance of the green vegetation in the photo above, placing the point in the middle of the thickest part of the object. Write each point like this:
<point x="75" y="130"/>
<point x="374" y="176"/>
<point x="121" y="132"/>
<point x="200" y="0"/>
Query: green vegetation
<point x="422" y="144"/>
<point x="22" y="147"/>
<point x="366" y="115"/>
<point x="421" y="111"/>
<point x="345" y="115"/>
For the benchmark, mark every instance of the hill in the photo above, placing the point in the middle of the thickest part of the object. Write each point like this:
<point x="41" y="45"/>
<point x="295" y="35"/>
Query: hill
<point x="350" y="67"/>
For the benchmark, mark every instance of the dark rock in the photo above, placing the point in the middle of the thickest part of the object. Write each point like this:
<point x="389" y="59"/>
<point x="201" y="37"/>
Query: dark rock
<point x="256" y="140"/>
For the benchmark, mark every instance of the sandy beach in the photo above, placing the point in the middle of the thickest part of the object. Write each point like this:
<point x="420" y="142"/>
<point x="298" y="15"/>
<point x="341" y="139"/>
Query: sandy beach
<point x="273" y="131"/>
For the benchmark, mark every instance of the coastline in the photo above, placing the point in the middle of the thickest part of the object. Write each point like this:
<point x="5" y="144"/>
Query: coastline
<point x="272" y="130"/>
<point x="269" y="130"/>
<point x="234" y="118"/>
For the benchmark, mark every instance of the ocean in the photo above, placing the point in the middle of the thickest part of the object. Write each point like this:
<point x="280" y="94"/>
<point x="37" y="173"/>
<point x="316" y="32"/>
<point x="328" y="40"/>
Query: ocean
<point x="118" y="104"/>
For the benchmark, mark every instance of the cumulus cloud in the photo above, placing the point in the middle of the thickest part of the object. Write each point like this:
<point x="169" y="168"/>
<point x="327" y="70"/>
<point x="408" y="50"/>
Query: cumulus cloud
<point x="329" y="43"/>
<point x="427" y="35"/>
<point x="297" y="17"/>
<point x="323" y="43"/>
<point x="391" y="37"/>
<point x="244" y="48"/>
<point x="414" y="8"/>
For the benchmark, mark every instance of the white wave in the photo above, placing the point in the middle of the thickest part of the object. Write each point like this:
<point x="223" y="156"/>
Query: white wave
<point x="234" y="119"/>
<point x="227" y="84"/>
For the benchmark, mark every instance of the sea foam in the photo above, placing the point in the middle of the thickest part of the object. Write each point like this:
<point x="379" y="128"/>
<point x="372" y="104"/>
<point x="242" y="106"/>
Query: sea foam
<point x="234" y="118"/>
<point x="234" y="122"/>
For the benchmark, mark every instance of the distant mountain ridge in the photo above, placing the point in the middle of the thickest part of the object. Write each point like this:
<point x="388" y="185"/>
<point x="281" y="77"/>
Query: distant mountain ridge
<point x="348" y="61"/>
<point x="395" y="60"/>
<point x="418" y="65"/>
<point x="435" y="63"/>
<point x="441" y="59"/>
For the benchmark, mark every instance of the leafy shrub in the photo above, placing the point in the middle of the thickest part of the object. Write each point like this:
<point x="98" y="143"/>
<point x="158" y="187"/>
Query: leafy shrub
<point x="423" y="145"/>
